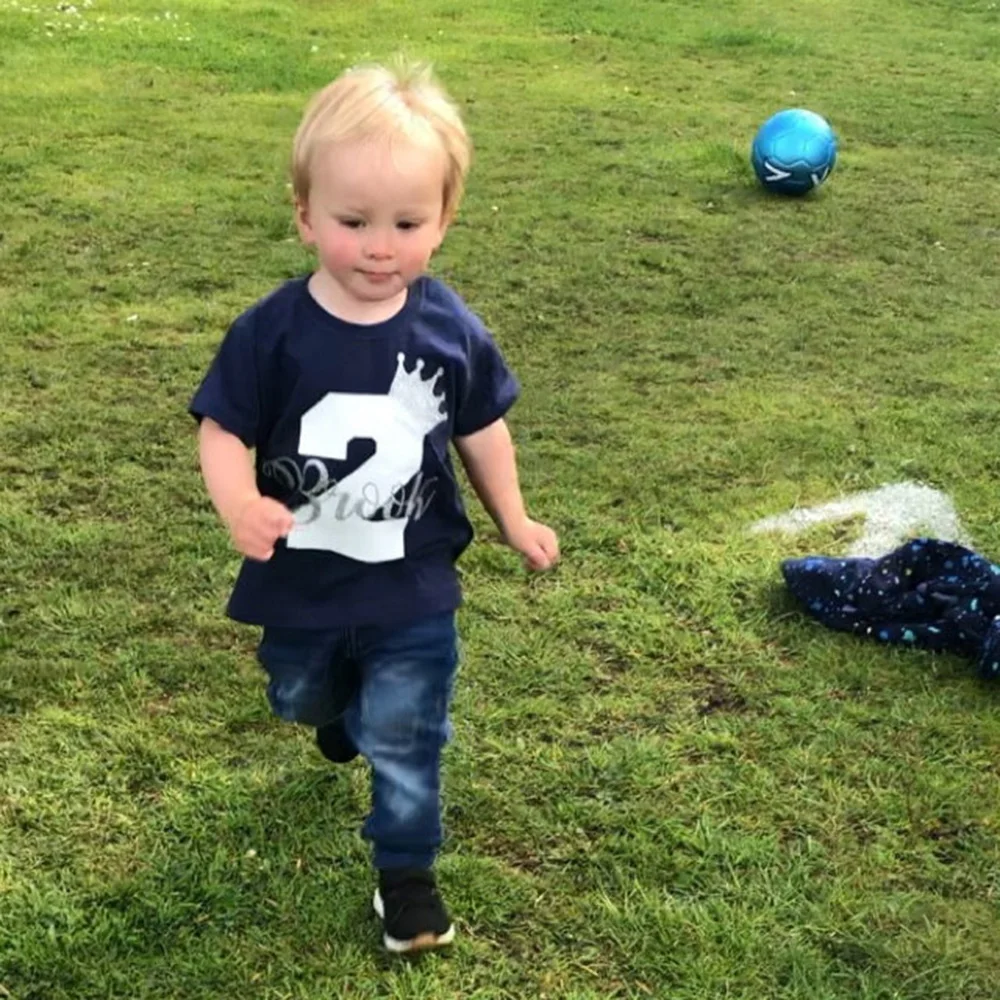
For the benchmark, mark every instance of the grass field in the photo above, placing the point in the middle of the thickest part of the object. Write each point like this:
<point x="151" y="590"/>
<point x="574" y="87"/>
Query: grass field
<point x="665" y="782"/>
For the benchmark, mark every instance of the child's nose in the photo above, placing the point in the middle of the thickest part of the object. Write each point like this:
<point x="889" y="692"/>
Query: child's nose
<point x="379" y="244"/>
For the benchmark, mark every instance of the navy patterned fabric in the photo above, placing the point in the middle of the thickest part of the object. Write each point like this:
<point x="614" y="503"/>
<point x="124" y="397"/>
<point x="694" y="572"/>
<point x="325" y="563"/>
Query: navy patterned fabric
<point x="927" y="593"/>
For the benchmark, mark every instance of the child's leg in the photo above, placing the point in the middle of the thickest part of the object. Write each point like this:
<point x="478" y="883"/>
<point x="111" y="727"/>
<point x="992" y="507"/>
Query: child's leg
<point x="312" y="679"/>
<point x="400" y="724"/>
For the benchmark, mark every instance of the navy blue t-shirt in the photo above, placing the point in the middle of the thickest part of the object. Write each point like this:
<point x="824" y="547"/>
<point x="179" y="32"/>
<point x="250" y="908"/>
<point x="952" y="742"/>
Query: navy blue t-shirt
<point x="351" y="425"/>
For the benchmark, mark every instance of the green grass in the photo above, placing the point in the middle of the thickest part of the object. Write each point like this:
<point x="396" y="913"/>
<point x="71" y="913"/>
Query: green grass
<point x="665" y="782"/>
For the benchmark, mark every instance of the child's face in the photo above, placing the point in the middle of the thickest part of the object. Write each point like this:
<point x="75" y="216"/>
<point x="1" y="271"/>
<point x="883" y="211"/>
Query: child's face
<point x="375" y="214"/>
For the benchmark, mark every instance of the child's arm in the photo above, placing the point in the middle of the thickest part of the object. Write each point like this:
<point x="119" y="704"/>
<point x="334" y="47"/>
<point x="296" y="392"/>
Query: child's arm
<point x="255" y="522"/>
<point x="488" y="457"/>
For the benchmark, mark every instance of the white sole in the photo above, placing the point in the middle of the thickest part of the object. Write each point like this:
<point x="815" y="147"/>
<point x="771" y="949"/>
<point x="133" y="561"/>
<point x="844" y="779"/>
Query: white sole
<point x="422" y="942"/>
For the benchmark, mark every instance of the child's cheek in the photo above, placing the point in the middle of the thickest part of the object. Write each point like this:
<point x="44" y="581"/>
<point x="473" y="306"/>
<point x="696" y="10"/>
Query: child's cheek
<point x="342" y="249"/>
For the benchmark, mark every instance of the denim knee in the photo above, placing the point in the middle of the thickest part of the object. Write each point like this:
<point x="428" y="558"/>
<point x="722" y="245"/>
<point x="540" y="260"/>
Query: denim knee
<point x="305" y="684"/>
<point x="399" y="727"/>
<point x="408" y="719"/>
<point x="298" y="701"/>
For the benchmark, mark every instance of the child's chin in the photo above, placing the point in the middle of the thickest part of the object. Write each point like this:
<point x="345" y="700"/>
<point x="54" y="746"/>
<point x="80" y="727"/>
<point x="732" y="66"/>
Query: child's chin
<point x="376" y="290"/>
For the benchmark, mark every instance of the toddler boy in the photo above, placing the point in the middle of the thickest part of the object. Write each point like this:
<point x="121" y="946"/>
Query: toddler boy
<point x="347" y="386"/>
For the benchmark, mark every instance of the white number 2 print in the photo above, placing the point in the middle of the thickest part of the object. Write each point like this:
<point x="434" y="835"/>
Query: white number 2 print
<point x="339" y="519"/>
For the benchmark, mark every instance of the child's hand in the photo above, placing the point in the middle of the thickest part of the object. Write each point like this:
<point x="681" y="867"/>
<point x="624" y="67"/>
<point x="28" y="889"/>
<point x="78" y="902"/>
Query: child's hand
<point x="260" y="523"/>
<point x="536" y="542"/>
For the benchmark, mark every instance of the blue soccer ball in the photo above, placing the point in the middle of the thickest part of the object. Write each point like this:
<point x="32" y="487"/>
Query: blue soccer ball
<point x="794" y="151"/>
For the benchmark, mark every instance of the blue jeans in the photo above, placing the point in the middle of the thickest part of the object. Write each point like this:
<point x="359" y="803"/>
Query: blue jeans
<point x="392" y="686"/>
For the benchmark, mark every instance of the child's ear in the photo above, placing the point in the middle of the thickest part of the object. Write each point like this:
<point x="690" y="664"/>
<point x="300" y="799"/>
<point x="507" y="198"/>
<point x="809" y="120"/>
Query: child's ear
<point x="302" y="222"/>
<point x="443" y="228"/>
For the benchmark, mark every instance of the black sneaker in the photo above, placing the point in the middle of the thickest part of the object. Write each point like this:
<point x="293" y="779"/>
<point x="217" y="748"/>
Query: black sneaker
<point x="412" y="913"/>
<point x="334" y="743"/>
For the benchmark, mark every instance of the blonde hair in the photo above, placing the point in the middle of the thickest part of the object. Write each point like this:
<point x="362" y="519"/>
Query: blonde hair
<point x="376" y="102"/>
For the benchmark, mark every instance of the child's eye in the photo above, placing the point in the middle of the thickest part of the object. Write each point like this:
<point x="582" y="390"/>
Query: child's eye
<point x="351" y="223"/>
<point x="407" y="225"/>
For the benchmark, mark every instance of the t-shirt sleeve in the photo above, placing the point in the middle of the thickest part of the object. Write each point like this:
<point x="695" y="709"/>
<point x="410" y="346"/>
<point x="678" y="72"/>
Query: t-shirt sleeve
<point x="489" y="387"/>
<point x="230" y="392"/>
